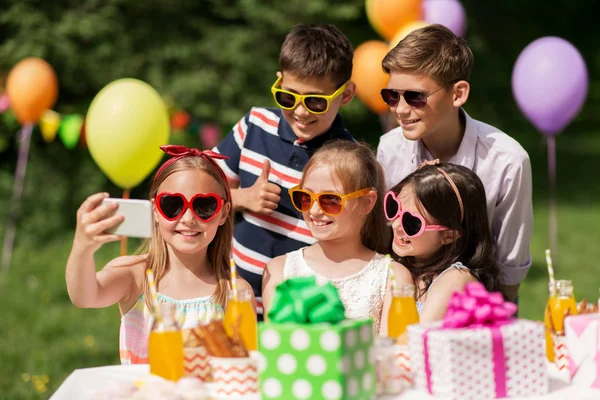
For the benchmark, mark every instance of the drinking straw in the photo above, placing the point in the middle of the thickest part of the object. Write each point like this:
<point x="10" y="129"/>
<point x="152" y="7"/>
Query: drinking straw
<point x="233" y="279"/>
<point x="550" y="269"/>
<point x="154" y="293"/>
<point x="392" y="275"/>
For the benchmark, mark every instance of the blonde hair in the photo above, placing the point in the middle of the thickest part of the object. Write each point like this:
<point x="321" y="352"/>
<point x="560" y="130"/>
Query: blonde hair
<point x="433" y="51"/>
<point x="355" y="165"/>
<point x="219" y="250"/>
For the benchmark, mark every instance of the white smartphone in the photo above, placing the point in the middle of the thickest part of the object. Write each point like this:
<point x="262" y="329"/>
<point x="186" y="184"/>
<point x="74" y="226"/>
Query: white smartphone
<point x="138" y="218"/>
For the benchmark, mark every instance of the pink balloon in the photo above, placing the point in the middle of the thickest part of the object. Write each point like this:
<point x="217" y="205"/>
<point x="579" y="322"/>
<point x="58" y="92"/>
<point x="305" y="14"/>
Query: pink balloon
<point x="4" y="102"/>
<point x="210" y="135"/>
<point x="449" y="13"/>
<point x="550" y="83"/>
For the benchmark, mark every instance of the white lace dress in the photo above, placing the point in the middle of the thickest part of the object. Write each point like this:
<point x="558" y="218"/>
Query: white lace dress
<point x="361" y="293"/>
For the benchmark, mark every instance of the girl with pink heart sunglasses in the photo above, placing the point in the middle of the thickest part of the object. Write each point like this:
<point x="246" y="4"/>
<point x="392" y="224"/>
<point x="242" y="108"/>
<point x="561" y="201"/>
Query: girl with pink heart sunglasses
<point x="441" y="233"/>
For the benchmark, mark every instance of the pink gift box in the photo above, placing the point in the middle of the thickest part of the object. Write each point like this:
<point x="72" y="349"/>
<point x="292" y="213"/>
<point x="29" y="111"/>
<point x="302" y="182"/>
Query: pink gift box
<point x="479" y="363"/>
<point x="583" y="346"/>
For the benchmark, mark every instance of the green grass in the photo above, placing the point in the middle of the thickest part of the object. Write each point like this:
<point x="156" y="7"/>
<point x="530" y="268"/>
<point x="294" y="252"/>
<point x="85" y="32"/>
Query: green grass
<point x="43" y="338"/>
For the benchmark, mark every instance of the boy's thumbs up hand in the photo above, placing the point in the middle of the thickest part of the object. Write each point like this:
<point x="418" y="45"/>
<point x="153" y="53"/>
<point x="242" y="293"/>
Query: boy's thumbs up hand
<point x="264" y="196"/>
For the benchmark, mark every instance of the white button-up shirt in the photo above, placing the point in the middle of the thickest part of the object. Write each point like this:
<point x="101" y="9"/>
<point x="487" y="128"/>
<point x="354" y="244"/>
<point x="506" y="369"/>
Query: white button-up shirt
<point x="504" y="168"/>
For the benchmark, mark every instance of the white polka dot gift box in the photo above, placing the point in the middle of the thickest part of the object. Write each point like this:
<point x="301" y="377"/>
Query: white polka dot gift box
<point x="479" y="352"/>
<point x="583" y="347"/>
<point x="308" y="351"/>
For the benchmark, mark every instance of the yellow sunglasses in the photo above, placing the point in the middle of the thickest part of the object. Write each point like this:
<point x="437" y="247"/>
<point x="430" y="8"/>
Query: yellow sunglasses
<point x="330" y="203"/>
<point x="314" y="103"/>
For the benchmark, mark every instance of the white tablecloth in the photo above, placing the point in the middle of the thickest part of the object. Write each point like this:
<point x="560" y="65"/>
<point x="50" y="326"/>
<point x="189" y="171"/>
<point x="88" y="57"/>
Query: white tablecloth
<point x="83" y="383"/>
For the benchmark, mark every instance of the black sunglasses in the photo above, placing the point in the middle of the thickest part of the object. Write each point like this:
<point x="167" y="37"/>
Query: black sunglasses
<point x="413" y="98"/>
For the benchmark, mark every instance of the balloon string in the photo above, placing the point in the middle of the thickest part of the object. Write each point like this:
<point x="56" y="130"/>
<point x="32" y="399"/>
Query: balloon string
<point x="11" y="224"/>
<point x="553" y="220"/>
<point x="124" y="239"/>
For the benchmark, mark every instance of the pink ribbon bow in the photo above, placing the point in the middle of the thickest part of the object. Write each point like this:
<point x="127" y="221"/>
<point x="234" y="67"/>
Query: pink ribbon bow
<point x="477" y="308"/>
<point x="178" y="152"/>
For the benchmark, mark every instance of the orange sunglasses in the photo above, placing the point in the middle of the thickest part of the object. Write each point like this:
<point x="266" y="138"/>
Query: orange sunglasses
<point x="330" y="203"/>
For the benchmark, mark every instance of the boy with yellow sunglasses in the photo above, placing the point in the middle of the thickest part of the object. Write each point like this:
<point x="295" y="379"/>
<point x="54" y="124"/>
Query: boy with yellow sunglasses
<point x="269" y="147"/>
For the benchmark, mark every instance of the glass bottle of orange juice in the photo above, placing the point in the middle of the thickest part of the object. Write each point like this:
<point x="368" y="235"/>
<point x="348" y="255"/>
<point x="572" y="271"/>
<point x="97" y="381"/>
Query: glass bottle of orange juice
<point x="548" y="323"/>
<point x="240" y="316"/>
<point x="165" y="345"/>
<point x="561" y="305"/>
<point x="403" y="310"/>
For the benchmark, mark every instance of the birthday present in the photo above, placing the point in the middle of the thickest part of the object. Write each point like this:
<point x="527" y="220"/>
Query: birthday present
<point x="310" y="351"/>
<point x="583" y="345"/>
<point x="478" y="351"/>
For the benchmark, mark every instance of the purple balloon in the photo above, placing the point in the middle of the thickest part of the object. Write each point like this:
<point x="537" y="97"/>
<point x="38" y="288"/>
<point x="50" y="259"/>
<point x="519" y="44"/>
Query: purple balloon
<point x="449" y="13"/>
<point x="550" y="83"/>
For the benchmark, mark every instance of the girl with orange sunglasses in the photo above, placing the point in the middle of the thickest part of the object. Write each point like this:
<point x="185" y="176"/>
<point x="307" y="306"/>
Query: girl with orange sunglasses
<point x="340" y="197"/>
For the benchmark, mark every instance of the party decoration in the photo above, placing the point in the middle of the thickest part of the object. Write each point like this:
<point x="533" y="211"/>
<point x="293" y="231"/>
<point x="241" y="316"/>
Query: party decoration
<point x="126" y="123"/>
<point x="368" y="75"/>
<point x="449" y="13"/>
<point x="388" y="16"/>
<point x="478" y="349"/>
<point x="404" y="31"/>
<point x="210" y="136"/>
<point x="70" y="130"/>
<point x="4" y="102"/>
<point x="548" y="66"/>
<point x="32" y="87"/>
<point x="49" y="123"/>
<point x="180" y="120"/>
<point x="331" y="359"/>
<point x="301" y="300"/>
<point x="583" y="345"/>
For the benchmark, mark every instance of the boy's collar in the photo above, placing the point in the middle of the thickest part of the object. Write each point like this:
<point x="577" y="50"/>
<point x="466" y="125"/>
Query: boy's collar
<point x="336" y="130"/>
<point x="465" y="155"/>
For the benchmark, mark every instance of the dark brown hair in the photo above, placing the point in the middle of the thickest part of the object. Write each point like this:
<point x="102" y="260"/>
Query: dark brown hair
<point x="433" y="51"/>
<point x="473" y="247"/>
<point x="355" y="165"/>
<point x="219" y="250"/>
<point x="321" y="51"/>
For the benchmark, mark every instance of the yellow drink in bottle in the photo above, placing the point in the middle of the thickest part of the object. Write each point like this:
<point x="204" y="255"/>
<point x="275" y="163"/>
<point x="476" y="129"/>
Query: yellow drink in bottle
<point x="240" y="314"/>
<point x="403" y="310"/>
<point x="165" y="346"/>
<point x="563" y="302"/>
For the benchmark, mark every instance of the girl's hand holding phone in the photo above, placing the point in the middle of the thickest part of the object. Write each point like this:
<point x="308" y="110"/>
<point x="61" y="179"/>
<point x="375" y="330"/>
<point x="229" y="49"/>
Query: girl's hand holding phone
<point x="93" y="218"/>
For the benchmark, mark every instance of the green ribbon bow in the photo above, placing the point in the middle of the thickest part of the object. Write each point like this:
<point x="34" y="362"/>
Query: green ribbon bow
<point x="302" y="300"/>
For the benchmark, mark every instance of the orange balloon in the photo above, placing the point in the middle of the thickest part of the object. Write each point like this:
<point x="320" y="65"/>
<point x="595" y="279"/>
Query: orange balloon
<point x="406" y="29"/>
<point x="32" y="88"/>
<point x="388" y="16"/>
<point x="368" y="75"/>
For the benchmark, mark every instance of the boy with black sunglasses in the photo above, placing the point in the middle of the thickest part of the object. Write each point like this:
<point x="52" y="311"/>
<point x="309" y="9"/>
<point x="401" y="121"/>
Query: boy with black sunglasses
<point x="429" y="72"/>
<point x="269" y="147"/>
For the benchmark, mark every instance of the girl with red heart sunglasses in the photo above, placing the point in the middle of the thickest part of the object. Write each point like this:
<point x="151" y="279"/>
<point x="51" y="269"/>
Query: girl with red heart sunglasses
<point x="441" y="233"/>
<point x="188" y="253"/>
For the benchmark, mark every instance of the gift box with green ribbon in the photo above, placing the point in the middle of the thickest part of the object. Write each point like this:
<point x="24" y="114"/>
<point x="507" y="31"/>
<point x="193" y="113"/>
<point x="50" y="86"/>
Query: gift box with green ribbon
<point x="310" y="351"/>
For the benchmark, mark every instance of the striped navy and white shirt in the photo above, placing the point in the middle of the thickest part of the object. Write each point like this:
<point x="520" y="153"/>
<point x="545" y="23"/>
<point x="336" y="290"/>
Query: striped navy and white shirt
<point x="262" y="134"/>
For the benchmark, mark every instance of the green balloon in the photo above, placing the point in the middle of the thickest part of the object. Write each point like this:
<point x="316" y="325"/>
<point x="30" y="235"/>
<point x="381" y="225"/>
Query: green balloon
<point x="70" y="130"/>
